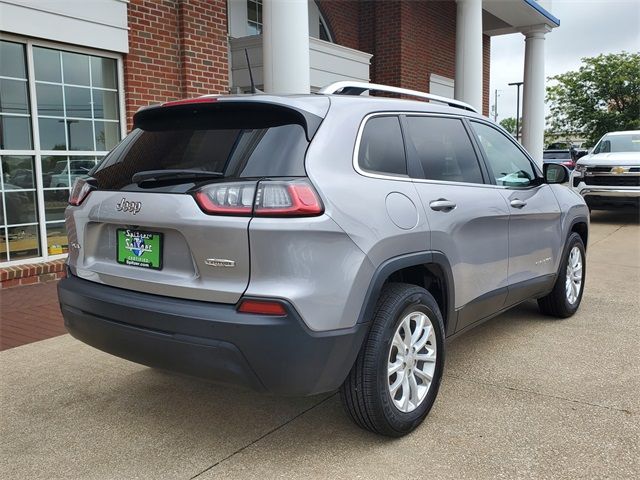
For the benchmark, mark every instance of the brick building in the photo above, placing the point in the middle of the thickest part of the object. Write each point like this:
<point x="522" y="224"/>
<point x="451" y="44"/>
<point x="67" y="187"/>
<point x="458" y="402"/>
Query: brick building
<point x="73" y="72"/>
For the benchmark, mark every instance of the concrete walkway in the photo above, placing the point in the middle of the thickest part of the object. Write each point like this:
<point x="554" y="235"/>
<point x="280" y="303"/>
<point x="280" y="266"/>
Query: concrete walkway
<point x="523" y="396"/>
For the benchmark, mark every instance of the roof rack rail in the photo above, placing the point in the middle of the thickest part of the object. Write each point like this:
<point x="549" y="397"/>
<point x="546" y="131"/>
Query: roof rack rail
<point x="357" y="88"/>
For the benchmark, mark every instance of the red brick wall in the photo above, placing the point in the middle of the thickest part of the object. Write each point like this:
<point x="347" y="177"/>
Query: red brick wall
<point x="204" y="47"/>
<point x="177" y="49"/>
<point x="486" y="73"/>
<point x="409" y="39"/>
<point x="342" y="19"/>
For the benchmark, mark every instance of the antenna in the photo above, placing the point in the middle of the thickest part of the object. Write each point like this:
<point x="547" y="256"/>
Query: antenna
<point x="253" y="85"/>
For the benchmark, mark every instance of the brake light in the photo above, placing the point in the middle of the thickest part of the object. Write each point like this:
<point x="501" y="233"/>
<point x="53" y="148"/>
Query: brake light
<point x="262" y="307"/>
<point x="81" y="190"/>
<point x="569" y="163"/>
<point x="227" y="198"/>
<point x="295" y="198"/>
<point x="271" y="198"/>
<point x="189" y="101"/>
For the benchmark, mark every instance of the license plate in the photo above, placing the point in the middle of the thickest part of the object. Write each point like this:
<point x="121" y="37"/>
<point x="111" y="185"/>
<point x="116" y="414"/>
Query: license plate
<point x="139" y="248"/>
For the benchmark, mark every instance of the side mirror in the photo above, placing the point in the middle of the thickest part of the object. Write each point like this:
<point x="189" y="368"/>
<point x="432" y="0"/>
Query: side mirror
<point x="556" y="173"/>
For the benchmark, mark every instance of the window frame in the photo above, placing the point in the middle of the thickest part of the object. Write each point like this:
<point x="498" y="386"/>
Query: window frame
<point x="374" y="173"/>
<point x="414" y="168"/>
<point x="36" y="152"/>
<point x="536" y="170"/>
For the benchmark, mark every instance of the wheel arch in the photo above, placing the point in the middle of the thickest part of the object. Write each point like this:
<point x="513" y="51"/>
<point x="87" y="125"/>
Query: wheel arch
<point x="430" y="270"/>
<point x="580" y="226"/>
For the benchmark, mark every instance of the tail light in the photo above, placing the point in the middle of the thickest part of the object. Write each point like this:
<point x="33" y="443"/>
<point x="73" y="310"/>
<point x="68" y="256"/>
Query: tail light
<point x="271" y="198"/>
<point x="81" y="190"/>
<point x="227" y="198"/>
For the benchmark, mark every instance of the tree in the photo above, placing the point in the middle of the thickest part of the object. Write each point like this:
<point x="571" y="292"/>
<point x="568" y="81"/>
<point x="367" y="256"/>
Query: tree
<point x="509" y="124"/>
<point x="603" y="95"/>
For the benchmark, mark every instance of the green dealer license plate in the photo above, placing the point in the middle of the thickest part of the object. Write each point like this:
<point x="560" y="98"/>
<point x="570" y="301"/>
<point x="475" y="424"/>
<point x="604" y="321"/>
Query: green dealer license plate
<point x="140" y="249"/>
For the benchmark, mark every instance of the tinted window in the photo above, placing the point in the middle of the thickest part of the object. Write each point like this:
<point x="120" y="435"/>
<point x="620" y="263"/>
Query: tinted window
<point x="444" y="149"/>
<point x="510" y="167"/>
<point x="260" y="150"/>
<point x="381" y="147"/>
<point x="556" y="155"/>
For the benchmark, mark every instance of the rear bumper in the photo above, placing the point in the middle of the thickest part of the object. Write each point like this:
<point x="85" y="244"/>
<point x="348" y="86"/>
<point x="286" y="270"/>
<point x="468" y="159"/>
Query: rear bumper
<point x="208" y="340"/>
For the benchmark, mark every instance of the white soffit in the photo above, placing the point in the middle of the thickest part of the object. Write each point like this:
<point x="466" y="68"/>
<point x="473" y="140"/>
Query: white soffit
<point x="502" y="17"/>
<point x="97" y="24"/>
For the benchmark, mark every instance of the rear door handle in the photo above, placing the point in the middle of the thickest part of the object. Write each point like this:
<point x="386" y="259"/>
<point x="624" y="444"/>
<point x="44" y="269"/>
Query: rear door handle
<point x="442" y="205"/>
<point x="517" y="203"/>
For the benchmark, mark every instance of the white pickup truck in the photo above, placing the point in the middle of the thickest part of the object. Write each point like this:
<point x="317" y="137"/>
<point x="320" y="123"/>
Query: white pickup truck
<point x="610" y="175"/>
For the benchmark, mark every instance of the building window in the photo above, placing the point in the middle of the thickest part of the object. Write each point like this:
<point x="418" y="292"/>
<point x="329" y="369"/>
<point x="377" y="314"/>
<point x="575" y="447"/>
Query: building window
<point x="323" y="31"/>
<point x="59" y="115"/>
<point x="254" y="17"/>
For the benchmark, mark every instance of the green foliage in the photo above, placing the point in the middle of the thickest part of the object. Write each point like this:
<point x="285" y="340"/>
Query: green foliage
<point x="509" y="124"/>
<point x="603" y="95"/>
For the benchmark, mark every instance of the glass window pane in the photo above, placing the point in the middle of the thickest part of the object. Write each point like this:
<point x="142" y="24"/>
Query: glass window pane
<point x="49" y="99"/>
<point x="252" y="11"/>
<point x="510" y="167"/>
<point x="57" y="242"/>
<point x="52" y="134"/>
<point x="107" y="135"/>
<point x="13" y="96"/>
<point x="80" y="134"/>
<point x="55" y="202"/>
<point x="105" y="104"/>
<point x="1" y="224"/>
<point x="78" y="102"/>
<point x="47" y="64"/>
<point x="53" y="168"/>
<point x="444" y="149"/>
<point x="21" y="206"/>
<point x="103" y="72"/>
<point x="13" y="60"/>
<point x="15" y="133"/>
<point x="24" y="242"/>
<point x="381" y="147"/>
<point x="18" y="172"/>
<point x="75" y="68"/>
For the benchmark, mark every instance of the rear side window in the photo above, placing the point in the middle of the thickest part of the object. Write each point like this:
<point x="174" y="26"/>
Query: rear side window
<point x="381" y="147"/>
<point x="264" y="148"/>
<point x="444" y="149"/>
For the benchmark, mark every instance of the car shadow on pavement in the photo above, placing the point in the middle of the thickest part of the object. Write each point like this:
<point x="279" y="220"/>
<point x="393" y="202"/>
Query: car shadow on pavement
<point x="628" y="216"/>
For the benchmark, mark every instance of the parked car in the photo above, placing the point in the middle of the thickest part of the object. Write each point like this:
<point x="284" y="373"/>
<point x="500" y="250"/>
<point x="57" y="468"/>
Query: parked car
<point x="610" y="175"/>
<point x="302" y="244"/>
<point x="566" y="157"/>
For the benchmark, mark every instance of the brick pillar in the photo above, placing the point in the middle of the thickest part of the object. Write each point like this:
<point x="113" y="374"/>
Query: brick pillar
<point x="204" y="50"/>
<point x="177" y="49"/>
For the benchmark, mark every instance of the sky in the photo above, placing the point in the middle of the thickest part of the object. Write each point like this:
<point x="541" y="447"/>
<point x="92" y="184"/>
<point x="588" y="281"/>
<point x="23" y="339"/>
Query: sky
<point x="587" y="28"/>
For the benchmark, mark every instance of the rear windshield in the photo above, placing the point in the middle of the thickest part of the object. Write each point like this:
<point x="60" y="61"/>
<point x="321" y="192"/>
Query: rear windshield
<point x="556" y="155"/>
<point x="252" y="149"/>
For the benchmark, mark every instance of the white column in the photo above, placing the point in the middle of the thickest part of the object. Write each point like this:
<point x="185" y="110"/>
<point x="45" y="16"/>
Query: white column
<point x="468" y="85"/>
<point x="534" y="92"/>
<point x="285" y="43"/>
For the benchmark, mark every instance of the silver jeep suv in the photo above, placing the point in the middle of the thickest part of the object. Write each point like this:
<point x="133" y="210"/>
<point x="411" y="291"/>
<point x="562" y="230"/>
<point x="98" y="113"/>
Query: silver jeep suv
<point x="301" y="244"/>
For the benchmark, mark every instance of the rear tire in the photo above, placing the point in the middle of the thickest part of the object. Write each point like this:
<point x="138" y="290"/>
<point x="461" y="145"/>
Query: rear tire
<point x="407" y="339"/>
<point x="565" y="298"/>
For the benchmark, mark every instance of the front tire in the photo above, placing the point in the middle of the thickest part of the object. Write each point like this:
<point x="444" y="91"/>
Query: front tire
<point x="395" y="379"/>
<point x="565" y="298"/>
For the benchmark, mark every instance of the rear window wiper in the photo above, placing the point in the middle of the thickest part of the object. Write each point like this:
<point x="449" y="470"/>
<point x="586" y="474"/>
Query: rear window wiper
<point x="152" y="176"/>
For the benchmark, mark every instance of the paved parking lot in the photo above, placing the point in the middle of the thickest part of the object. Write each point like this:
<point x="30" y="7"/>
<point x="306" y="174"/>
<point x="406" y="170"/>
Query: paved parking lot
<point x="523" y="396"/>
